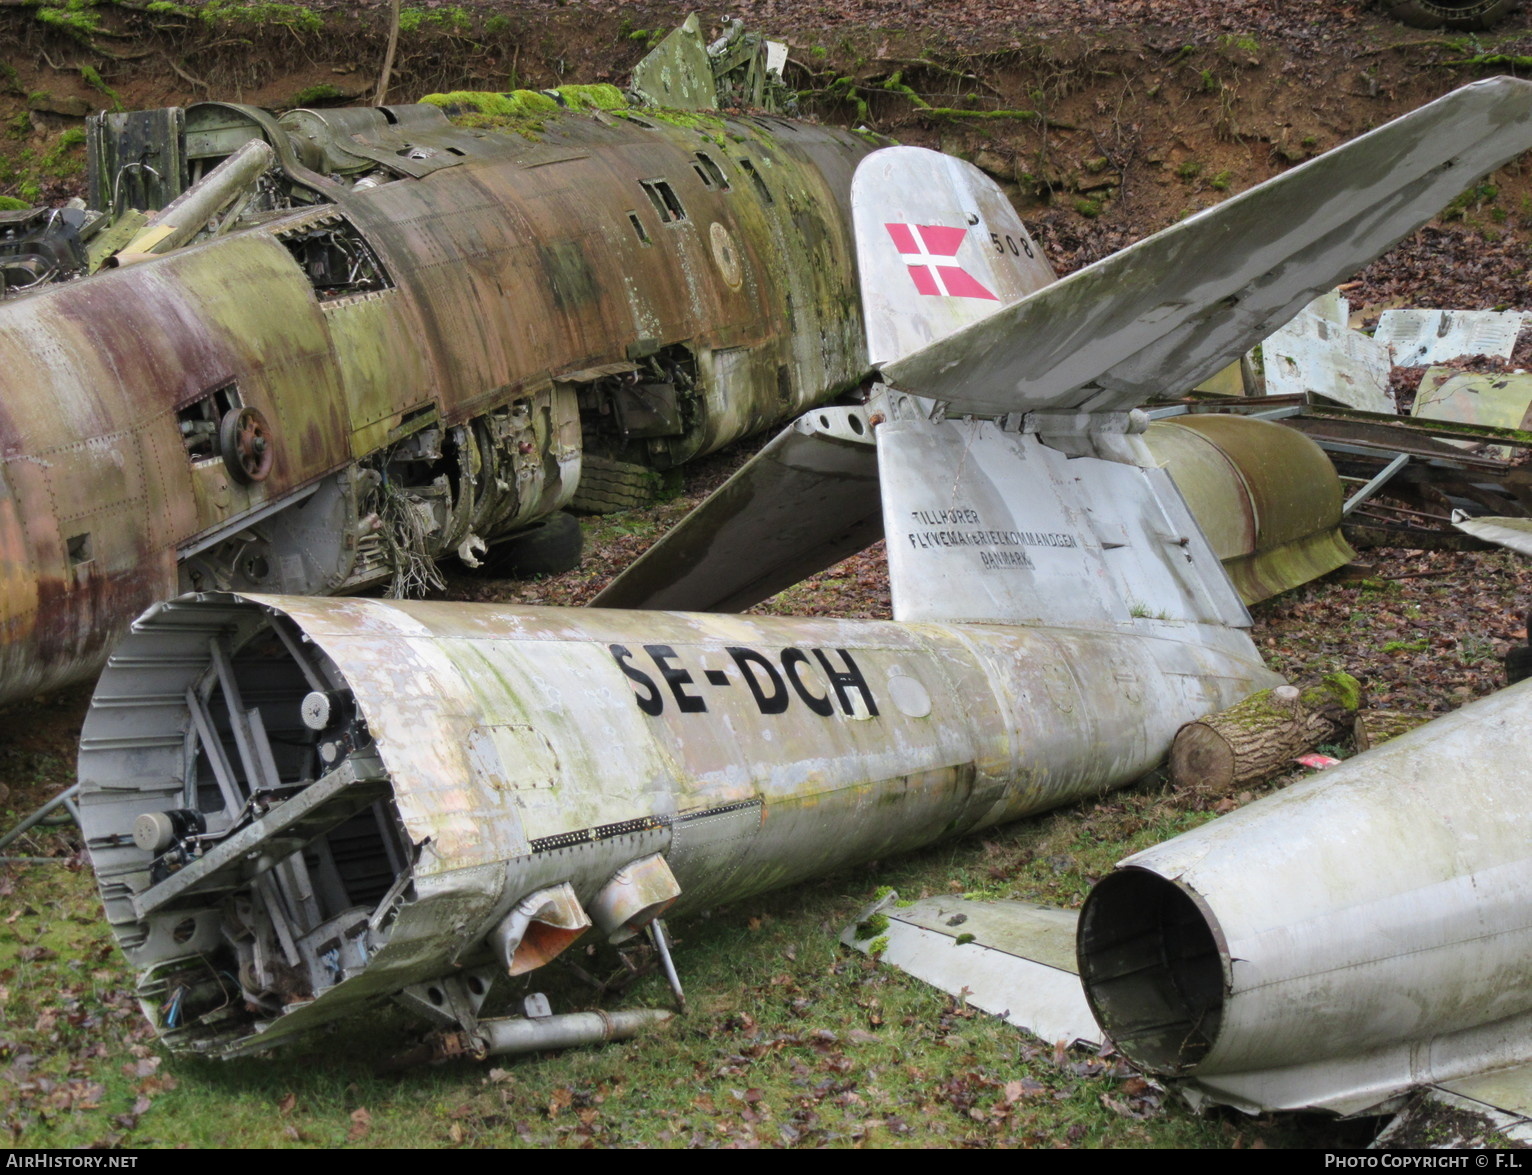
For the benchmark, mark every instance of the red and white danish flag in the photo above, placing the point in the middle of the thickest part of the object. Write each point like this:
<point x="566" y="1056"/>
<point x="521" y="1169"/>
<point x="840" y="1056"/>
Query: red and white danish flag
<point x="932" y="244"/>
<point x="938" y="248"/>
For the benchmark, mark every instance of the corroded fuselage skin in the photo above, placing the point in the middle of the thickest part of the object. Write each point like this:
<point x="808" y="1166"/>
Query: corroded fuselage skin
<point x="519" y="269"/>
<point x="504" y="750"/>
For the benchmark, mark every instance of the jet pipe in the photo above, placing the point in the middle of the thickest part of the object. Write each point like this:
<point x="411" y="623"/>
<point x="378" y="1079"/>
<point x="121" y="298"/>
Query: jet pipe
<point x="1365" y="929"/>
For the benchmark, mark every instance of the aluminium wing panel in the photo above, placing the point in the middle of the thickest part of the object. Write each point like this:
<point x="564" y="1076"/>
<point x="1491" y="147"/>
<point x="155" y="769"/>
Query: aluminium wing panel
<point x="1174" y="308"/>
<point x="804" y="502"/>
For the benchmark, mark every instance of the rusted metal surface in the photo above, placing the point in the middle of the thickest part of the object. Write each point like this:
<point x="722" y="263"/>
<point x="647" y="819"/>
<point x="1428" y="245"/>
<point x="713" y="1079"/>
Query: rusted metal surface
<point x="429" y="318"/>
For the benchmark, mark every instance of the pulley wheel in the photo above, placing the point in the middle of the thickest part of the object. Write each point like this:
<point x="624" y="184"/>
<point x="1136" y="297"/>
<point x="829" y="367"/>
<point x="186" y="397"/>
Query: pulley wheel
<point x="244" y="441"/>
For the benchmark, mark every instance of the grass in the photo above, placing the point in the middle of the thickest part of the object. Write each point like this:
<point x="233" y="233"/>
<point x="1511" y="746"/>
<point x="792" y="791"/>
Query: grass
<point x="791" y="1040"/>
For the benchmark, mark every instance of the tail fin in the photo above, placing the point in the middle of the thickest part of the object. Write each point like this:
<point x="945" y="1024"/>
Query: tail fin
<point x="987" y="523"/>
<point x="939" y="248"/>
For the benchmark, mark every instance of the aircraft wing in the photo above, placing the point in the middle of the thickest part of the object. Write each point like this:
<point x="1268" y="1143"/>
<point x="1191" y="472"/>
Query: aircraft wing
<point x="806" y="501"/>
<point x="1174" y="308"/>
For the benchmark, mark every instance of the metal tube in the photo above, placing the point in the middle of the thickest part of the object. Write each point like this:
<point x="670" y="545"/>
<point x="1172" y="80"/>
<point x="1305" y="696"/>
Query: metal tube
<point x="1376" y="484"/>
<point x="63" y="797"/>
<point x="518" y="1035"/>
<point x="189" y="212"/>
<point x="657" y="932"/>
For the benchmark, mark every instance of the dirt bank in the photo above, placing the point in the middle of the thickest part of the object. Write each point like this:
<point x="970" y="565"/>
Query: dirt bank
<point x="1106" y="119"/>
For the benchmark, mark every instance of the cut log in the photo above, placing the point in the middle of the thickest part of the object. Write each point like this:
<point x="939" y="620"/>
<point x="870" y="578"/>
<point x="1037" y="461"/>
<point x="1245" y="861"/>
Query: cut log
<point x="1378" y="726"/>
<point x="1257" y="738"/>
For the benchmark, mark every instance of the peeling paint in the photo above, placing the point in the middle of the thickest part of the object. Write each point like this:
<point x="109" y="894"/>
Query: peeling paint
<point x="402" y="317"/>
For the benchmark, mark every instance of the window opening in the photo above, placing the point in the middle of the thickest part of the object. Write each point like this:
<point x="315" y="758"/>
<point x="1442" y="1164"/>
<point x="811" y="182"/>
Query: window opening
<point x="199" y="420"/>
<point x="663" y="197"/>
<point x="336" y="258"/>
<point x="638" y="228"/>
<point x="710" y="170"/>
<point x="755" y="177"/>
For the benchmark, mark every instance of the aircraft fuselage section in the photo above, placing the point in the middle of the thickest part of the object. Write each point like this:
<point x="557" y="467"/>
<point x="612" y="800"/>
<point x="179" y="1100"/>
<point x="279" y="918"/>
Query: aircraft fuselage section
<point x="494" y="753"/>
<point x="436" y="347"/>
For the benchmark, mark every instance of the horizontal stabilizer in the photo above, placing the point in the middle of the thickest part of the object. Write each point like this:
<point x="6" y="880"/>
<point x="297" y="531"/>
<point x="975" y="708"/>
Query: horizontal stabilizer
<point x="803" y="503"/>
<point x="1010" y="959"/>
<point x="1178" y="306"/>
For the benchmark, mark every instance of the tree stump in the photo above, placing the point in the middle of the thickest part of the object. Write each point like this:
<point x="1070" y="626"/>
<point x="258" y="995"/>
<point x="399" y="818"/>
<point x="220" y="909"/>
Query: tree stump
<point x="1378" y="726"/>
<point x="1258" y="737"/>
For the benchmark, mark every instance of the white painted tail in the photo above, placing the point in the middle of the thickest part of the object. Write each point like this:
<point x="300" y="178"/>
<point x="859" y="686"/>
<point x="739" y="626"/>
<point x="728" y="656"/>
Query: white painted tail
<point x="1044" y="506"/>
<point x="939" y="246"/>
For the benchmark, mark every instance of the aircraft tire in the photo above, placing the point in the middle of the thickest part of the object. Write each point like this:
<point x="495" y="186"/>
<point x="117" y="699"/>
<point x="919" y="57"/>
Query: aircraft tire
<point x="1450" y="14"/>
<point x="550" y="546"/>
<point x="607" y="486"/>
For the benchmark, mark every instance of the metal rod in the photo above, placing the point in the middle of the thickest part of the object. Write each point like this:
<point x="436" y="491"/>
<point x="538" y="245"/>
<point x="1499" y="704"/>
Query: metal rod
<point x="657" y="933"/>
<point x="273" y="903"/>
<point x="239" y="721"/>
<point x="1377" y="483"/>
<point x="516" y="1035"/>
<point x="189" y="212"/>
<point x="213" y="745"/>
<point x="36" y="817"/>
<point x="261" y="741"/>
<point x="300" y="656"/>
<point x="1388" y="506"/>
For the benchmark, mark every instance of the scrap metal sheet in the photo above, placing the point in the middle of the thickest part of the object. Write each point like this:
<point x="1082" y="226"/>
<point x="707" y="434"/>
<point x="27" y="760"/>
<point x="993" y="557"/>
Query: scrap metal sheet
<point x="1513" y="533"/>
<point x="1315" y="354"/>
<point x="803" y="503"/>
<point x="1419" y="337"/>
<point x="1495" y="399"/>
<point x="1010" y="959"/>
